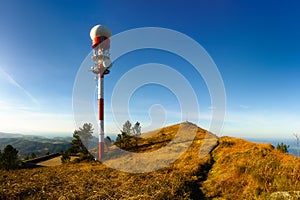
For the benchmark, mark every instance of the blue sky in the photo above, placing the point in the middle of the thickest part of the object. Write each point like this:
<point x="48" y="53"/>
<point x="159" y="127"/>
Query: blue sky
<point x="255" y="45"/>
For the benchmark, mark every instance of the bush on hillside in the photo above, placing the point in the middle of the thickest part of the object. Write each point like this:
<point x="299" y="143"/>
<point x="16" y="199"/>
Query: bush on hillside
<point x="283" y="147"/>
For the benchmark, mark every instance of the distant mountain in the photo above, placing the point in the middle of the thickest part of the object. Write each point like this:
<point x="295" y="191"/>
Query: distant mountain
<point x="10" y="135"/>
<point x="26" y="145"/>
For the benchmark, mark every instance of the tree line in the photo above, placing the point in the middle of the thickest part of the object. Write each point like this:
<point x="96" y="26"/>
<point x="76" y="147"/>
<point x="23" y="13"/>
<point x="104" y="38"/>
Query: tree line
<point x="129" y="135"/>
<point x="84" y="135"/>
<point x="127" y="139"/>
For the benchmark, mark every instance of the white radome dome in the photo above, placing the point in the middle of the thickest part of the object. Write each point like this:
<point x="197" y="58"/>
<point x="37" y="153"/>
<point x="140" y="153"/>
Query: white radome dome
<point x="100" y="30"/>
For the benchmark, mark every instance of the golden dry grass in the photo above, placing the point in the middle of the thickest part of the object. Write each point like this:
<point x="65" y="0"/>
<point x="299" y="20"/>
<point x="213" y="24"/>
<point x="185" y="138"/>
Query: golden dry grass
<point x="96" y="181"/>
<point x="54" y="161"/>
<point x="235" y="169"/>
<point x="246" y="170"/>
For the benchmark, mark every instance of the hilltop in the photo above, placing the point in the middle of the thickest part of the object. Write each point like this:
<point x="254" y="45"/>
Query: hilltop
<point x="232" y="169"/>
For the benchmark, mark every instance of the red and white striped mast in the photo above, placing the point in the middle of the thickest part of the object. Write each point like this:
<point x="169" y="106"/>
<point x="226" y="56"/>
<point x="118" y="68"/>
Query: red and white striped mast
<point x="101" y="44"/>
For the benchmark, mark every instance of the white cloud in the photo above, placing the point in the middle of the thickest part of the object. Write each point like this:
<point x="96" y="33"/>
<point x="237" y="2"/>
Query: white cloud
<point x="17" y="85"/>
<point x="211" y="108"/>
<point x="26" y="115"/>
<point x="244" y="106"/>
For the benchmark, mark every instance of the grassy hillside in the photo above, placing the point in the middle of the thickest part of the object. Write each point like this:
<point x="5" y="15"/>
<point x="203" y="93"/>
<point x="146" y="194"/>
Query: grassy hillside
<point x="95" y="180"/>
<point x="235" y="169"/>
<point x="245" y="170"/>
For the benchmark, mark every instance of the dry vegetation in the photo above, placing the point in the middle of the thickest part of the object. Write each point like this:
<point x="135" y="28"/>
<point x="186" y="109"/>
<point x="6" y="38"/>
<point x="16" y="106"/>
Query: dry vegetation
<point x="236" y="169"/>
<point x="96" y="181"/>
<point x="245" y="170"/>
<point x="55" y="161"/>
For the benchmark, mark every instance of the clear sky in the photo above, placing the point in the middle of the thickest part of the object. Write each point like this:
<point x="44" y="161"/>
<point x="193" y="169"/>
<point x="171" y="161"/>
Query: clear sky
<point x="255" y="45"/>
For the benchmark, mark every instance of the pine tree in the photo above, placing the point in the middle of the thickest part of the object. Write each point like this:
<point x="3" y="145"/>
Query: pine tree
<point x="127" y="128"/>
<point x="1" y="165"/>
<point x="32" y="156"/>
<point x="129" y="135"/>
<point x="9" y="158"/>
<point x="81" y="138"/>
